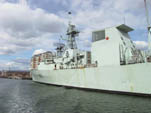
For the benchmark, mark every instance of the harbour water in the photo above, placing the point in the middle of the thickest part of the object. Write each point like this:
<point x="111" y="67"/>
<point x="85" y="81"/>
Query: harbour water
<point x="25" y="96"/>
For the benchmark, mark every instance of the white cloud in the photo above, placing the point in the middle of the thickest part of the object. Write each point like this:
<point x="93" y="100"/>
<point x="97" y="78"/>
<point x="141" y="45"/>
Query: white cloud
<point x="9" y="64"/>
<point x="25" y="21"/>
<point x="17" y="64"/>
<point x="2" y="0"/>
<point x="38" y="51"/>
<point x="23" y="28"/>
<point x="23" y="2"/>
<point x="141" y="44"/>
<point x="110" y="13"/>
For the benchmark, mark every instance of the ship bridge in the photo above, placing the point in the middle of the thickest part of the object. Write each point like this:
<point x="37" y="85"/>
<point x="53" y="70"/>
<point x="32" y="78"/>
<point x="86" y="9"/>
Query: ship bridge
<point x="113" y="46"/>
<point x="100" y="34"/>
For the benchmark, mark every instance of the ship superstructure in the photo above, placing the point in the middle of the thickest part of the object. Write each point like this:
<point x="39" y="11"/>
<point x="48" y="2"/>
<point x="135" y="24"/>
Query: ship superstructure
<point x="66" y="56"/>
<point x="106" y="43"/>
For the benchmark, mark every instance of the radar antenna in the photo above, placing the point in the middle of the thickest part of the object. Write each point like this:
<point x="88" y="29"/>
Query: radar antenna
<point x="72" y="33"/>
<point x="69" y="13"/>
<point x="59" y="47"/>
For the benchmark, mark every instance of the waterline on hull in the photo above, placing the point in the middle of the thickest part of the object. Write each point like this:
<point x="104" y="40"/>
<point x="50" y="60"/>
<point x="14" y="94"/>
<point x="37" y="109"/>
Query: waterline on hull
<point x="129" y="78"/>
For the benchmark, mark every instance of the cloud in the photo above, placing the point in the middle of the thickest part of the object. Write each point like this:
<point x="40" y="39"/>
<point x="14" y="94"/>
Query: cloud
<point x="6" y="50"/>
<point x="17" y="64"/>
<point x="141" y="45"/>
<point x="22" y="21"/>
<point x="38" y="51"/>
<point x="106" y="16"/>
<point x="23" y="28"/>
<point x="23" y="61"/>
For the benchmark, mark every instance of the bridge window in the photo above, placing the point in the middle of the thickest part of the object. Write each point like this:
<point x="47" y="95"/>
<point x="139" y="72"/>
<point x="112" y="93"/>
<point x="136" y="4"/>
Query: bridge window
<point x="98" y="35"/>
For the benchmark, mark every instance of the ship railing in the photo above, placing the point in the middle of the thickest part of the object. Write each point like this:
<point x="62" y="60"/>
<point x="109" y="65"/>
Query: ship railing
<point x="77" y="67"/>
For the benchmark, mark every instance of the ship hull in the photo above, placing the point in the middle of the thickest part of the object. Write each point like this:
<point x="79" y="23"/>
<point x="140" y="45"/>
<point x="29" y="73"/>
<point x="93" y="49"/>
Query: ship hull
<point x="135" y="78"/>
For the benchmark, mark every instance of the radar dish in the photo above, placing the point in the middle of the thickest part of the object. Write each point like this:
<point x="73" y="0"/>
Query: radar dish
<point x="59" y="44"/>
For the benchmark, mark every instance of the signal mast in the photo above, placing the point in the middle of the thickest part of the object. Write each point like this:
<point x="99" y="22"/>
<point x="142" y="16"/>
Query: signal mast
<point x="72" y="33"/>
<point x="148" y="28"/>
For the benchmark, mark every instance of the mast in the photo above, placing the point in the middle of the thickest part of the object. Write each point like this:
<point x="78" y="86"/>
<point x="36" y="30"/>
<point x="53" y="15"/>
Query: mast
<point x="148" y="28"/>
<point x="72" y="33"/>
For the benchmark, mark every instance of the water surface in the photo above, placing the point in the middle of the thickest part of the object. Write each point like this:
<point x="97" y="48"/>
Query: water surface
<point x="25" y="96"/>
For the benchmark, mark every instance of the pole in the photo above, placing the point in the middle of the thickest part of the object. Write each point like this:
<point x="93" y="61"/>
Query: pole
<point x="148" y="28"/>
<point x="147" y="15"/>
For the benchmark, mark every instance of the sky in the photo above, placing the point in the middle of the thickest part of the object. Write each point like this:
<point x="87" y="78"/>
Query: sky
<point x="28" y="27"/>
